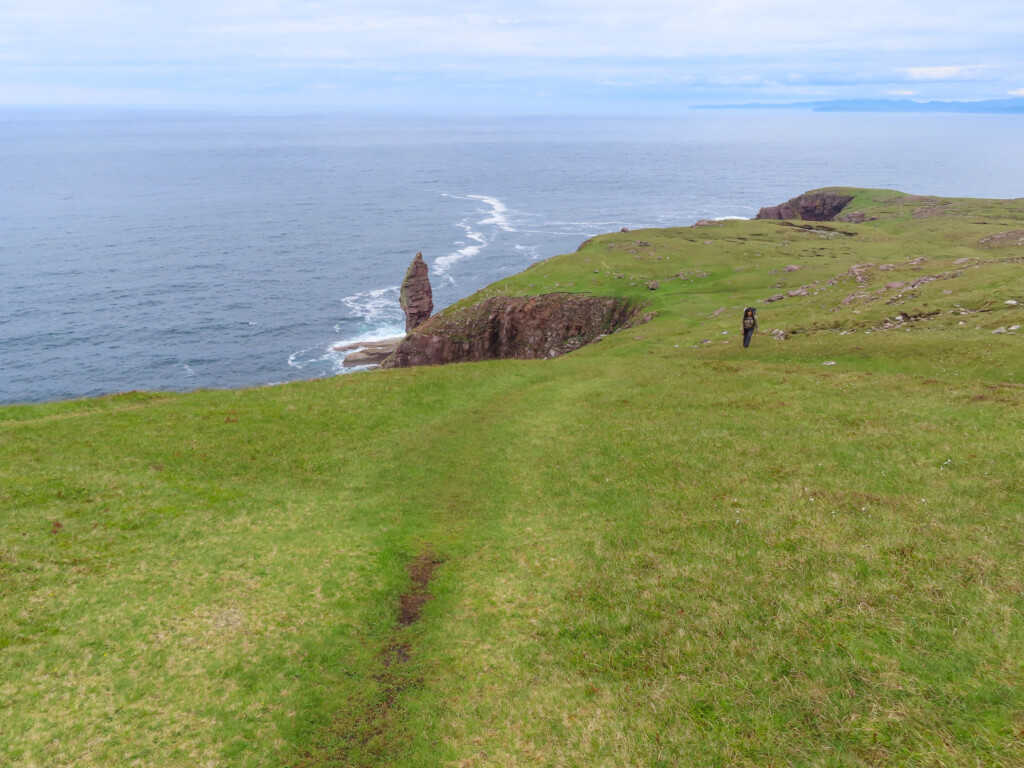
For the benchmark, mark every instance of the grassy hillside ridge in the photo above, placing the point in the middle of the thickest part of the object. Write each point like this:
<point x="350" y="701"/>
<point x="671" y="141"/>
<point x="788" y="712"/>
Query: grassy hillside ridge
<point x="662" y="549"/>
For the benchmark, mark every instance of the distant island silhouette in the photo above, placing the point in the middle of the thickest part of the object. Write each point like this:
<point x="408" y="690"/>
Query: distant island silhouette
<point x="989" y="106"/>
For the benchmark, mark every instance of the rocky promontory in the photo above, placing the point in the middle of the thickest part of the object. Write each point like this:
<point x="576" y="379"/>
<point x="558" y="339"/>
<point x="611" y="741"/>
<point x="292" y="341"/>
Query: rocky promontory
<point x="523" y="327"/>
<point x="818" y="205"/>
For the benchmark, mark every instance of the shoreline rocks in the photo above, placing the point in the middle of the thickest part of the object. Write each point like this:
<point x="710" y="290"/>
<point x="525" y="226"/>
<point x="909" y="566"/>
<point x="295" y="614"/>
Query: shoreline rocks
<point x="368" y="352"/>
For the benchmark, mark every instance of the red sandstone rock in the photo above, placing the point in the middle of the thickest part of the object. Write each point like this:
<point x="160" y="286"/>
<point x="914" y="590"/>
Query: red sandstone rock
<point x="810" y="206"/>
<point x="513" y="327"/>
<point x="416" y="297"/>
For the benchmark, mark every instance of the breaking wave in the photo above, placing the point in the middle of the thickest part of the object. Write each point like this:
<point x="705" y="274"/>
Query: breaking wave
<point x="479" y="233"/>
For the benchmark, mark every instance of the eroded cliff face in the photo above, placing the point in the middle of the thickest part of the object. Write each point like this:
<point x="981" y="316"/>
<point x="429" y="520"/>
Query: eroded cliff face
<point x="810" y="206"/>
<point x="513" y="327"/>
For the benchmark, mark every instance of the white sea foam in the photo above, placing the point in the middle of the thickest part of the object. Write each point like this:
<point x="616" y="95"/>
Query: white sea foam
<point x="323" y="357"/>
<point x="531" y="250"/>
<point x="476" y="230"/>
<point x="328" y="358"/>
<point x="498" y="215"/>
<point x="373" y="316"/>
<point x="378" y="305"/>
<point x="575" y="228"/>
<point x="443" y="263"/>
<point x="381" y="333"/>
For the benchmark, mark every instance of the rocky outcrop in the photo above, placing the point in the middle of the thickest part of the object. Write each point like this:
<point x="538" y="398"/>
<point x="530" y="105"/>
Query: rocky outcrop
<point x="855" y="217"/>
<point x="1001" y="239"/>
<point x="811" y="206"/>
<point x="523" y="327"/>
<point x="367" y="352"/>
<point x="416" y="297"/>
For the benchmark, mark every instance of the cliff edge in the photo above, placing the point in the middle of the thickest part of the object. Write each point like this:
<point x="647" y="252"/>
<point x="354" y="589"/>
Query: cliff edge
<point x="818" y="205"/>
<point x="522" y="327"/>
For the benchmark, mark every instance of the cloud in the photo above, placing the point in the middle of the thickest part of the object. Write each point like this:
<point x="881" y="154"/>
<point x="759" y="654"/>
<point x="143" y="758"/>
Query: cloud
<point x="735" y="46"/>
<point x="1016" y="92"/>
<point x="945" y="73"/>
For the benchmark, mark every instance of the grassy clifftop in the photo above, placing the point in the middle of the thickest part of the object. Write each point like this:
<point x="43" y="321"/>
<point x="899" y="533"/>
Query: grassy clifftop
<point x="662" y="549"/>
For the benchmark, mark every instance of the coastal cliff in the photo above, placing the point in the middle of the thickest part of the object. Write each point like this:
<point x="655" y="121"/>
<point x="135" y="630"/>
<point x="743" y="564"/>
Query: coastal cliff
<point x="818" y="205"/>
<point x="526" y="327"/>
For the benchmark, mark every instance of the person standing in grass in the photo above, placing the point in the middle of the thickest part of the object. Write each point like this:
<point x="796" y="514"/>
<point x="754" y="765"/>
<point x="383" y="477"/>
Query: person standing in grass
<point x="749" y="325"/>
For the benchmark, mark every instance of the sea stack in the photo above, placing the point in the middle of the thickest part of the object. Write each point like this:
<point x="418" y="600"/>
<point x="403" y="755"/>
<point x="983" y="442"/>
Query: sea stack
<point x="416" y="298"/>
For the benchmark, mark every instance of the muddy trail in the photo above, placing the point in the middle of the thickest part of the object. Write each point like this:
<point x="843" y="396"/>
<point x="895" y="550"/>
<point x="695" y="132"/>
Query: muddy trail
<point x="367" y="733"/>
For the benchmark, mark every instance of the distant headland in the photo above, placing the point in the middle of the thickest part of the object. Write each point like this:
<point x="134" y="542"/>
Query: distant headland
<point x="989" y="106"/>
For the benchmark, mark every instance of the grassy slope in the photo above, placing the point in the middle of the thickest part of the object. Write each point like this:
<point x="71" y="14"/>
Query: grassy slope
<point x="656" y="551"/>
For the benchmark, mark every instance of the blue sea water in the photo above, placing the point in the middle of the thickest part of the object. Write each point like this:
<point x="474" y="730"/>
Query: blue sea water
<point x="181" y="251"/>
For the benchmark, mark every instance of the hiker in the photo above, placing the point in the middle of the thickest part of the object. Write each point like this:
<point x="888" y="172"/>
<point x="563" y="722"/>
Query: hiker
<point x="749" y="325"/>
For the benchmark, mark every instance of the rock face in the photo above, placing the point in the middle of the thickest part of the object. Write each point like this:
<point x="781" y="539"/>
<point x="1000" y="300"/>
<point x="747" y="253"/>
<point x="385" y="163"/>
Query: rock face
<point x="810" y="206"/>
<point x="416" y="298"/>
<point x="513" y="327"/>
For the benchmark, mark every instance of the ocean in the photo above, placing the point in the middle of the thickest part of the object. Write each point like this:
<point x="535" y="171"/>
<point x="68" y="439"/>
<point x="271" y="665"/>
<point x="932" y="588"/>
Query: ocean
<point x="178" y="251"/>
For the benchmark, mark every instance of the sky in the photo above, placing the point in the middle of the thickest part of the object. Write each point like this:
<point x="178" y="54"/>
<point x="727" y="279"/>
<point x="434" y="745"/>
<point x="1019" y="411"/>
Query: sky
<point x="504" y="56"/>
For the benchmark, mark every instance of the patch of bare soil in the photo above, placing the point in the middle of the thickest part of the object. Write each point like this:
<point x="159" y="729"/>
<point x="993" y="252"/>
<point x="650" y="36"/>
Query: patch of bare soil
<point x="368" y="734"/>
<point x="411" y="602"/>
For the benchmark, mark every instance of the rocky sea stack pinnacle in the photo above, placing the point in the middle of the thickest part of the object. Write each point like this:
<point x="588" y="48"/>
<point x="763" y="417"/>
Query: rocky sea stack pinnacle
<point x="416" y="297"/>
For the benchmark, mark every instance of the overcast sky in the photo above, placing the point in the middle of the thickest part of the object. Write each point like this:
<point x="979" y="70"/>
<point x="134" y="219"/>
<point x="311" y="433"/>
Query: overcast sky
<point x="505" y="55"/>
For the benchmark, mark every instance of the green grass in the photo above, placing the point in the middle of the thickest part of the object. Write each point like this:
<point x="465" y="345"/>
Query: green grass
<point x="656" y="551"/>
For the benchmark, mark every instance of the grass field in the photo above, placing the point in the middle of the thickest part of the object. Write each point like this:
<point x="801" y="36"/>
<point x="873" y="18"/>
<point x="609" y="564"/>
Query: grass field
<point x="661" y="550"/>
